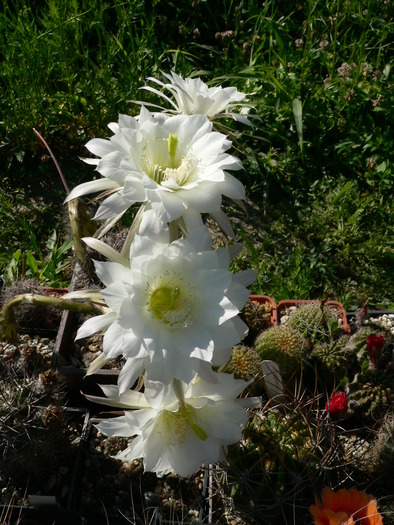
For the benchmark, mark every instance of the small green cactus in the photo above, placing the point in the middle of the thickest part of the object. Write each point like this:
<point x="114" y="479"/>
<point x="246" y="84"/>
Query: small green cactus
<point x="284" y="345"/>
<point x="333" y="359"/>
<point x="371" y="394"/>
<point x="257" y="316"/>
<point x="245" y="363"/>
<point x="314" y="321"/>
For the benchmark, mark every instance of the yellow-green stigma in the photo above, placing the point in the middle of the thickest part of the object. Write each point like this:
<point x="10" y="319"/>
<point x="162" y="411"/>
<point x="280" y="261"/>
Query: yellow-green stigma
<point x="171" y="306"/>
<point x="176" y="425"/>
<point x="172" y="146"/>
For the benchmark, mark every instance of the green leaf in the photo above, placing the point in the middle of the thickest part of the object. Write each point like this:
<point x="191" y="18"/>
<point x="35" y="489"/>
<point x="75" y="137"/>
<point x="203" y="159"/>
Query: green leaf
<point x="297" y="112"/>
<point x="32" y="263"/>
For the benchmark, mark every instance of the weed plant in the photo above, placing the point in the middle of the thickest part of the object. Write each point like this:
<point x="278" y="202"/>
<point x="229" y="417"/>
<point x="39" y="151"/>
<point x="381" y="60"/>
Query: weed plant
<point x="317" y="165"/>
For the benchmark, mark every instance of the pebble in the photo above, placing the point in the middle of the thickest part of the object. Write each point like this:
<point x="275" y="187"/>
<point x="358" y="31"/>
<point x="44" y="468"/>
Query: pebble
<point x="43" y="345"/>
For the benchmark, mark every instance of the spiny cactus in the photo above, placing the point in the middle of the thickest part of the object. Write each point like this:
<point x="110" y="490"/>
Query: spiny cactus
<point x="382" y="453"/>
<point x="284" y="345"/>
<point x="257" y="316"/>
<point x="371" y="393"/>
<point x="333" y="359"/>
<point x="32" y="438"/>
<point x="276" y="465"/>
<point x="357" y="343"/>
<point x="314" y="321"/>
<point x="245" y="363"/>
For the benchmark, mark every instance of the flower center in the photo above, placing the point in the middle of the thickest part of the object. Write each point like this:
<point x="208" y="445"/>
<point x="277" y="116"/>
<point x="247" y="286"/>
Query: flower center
<point x="164" y="164"/>
<point x="175" y="425"/>
<point x="171" y="305"/>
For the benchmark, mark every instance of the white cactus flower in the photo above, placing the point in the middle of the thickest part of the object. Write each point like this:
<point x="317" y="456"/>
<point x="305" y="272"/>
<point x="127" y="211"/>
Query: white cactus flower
<point x="191" y="96"/>
<point x="171" y="435"/>
<point x="176" y="164"/>
<point x="173" y="309"/>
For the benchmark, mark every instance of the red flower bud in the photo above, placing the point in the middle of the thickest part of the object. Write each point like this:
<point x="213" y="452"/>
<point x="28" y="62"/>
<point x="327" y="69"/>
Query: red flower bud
<point x="374" y="344"/>
<point x="337" y="404"/>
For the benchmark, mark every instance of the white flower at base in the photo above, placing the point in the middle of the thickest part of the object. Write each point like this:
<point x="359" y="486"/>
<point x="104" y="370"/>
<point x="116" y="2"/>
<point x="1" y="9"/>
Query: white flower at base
<point x="174" y="310"/>
<point x="177" y="164"/>
<point x="193" y="97"/>
<point x="171" y="436"/>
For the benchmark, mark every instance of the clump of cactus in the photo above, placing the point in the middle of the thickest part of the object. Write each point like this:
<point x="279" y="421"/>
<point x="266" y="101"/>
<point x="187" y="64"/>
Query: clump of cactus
<point x="382" y="453"/>
<point x="257" y="316"/>
<point x="371" y="393"/>
<point x="284" y="345"/>
<point x="32" y="437"/>
<point x="271" y="473"/>
<point x="315" y="321"/>
<point x="245" y="363"/>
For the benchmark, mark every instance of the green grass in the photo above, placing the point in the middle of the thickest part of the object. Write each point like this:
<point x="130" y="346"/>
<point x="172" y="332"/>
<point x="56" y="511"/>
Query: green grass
<point x="318" y="164"/>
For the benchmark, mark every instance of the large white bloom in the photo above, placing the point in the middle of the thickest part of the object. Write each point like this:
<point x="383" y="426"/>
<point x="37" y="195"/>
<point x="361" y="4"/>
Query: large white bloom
<point x="193" y="97"/>
<point x="173" y="310"/>
<point x="177" y="164"/>
<point x="171" y="435"/>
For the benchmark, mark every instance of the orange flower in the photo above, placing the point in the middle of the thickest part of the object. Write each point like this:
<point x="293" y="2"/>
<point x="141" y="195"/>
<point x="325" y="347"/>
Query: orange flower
<point x="345" y="507"/>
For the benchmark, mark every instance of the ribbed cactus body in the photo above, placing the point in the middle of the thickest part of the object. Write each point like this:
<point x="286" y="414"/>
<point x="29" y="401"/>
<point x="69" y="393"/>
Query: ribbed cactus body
<point x="333" y="359"/>
<point x="257" y="316"/>
<point x="312" y="320"/>
<point x="357" y="343"/>
<point x="284" y="345"/>
<point x="245" y="363"/>
<point x="371" y="393"/>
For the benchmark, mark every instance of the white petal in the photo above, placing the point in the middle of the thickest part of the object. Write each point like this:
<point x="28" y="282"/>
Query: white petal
<point x="118" y="341"/>
<point x="108" y="272"/>
<point x="167" y="205"/>
<point x="106" y="250"/>
<point x="95" y="325"/>
<point x="97" y="364"/>
<point x="116" y="426"/>
<point x="246" y="277"/>
<point x="112" y="205"/>
<point x="203" y="198"/>
<point x="222" y="219"/>
<point x="129" y="399"/>
<point x="130" y="372"/>
<point x="99" y="147"/>
<point x="93" y="186"/>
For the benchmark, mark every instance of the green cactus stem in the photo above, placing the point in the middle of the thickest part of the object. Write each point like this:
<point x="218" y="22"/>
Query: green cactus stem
<point x="8" y="322"/>
<point x="81" y="226"/>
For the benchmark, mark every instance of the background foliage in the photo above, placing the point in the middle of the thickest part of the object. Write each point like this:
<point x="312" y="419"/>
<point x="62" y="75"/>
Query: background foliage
<point x="317" y="165"/>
